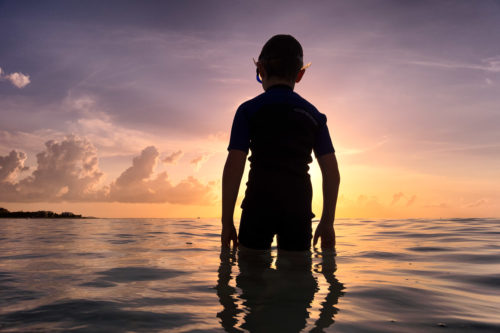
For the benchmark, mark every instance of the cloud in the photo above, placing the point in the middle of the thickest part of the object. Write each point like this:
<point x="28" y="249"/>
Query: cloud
<point x="396" y="197"/>
<point x="411" y="200"/>
<point x="142" y="168"/>
<point x="93" y="121"/>
<point x="66" y="171"/>
<point x="477" y="203"/>
<point x="362" y="150"/>
<point x="29" y="142"/>
<point x="370" y="201"/>
<point x="400" y="195"/>
<point x="491" y="64"/>
<point x="69" y="171"/>
<point x="197" y="162"/>
<point x="219" y="136"/>
<point x="191" y="191"/>
<point x="19" y="80"/>
<point x="437" y="205"/>
<point x="11" y="165"/>
<point x="173" y="158"/>
<point x="137" y="184"/>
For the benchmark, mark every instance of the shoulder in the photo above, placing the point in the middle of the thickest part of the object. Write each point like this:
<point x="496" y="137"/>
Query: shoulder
<point x="305" y="105"/>
<point x="250" y="106"/>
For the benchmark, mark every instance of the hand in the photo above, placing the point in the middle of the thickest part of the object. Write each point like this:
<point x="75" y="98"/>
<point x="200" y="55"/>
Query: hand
<point x="327" y="234"/>
<point x="227" y="235"/>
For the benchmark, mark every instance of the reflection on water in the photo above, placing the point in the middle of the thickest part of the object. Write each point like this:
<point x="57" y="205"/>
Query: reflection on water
<point x="275" y="299"/>
<point x="169" y="275"/>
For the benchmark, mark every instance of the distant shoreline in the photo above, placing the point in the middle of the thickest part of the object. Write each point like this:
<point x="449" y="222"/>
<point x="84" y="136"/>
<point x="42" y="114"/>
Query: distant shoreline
<point x="41" y="214"/>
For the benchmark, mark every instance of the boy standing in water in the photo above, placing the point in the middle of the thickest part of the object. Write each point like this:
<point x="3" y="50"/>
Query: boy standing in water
<point x="281" y="129"/>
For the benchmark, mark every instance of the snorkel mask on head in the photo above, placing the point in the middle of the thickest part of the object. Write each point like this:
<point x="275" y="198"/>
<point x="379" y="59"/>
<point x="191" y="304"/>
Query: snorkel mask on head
<point x="258" y="74"/>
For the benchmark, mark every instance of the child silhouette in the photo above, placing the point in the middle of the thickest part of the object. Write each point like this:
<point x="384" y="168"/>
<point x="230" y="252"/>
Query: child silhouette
<point x="281" y="129"/>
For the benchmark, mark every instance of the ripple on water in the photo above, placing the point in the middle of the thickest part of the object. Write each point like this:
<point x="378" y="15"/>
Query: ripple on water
<point x="392" y="233"/>
<point x="184" y="233"/>
<point x="125" y="235"/>
<point x="89" y="254"/>
<point x="191" y="249"/>
<point x="95" y="316"/>
<point x="452" y="278"/>
<point x="387" y="298"/>
<point x="425" y="235"/>
<point x="469" y="258"/>
<point x="384" y="255"/>
<point x="98" y="284"/>
<point x="209" y="234"/>
<point x="27" y="256"/>
<point x="454" y="239"/>
<point x="128" y="274"/>
<point x="10" y="294"/>
<point x="121" y="241"/>
<point x="430" y="249"/>
<point x="492" y="280"/>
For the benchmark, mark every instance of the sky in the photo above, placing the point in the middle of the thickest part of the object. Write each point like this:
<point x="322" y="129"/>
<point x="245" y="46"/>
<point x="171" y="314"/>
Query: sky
<point x="124" y="108"/>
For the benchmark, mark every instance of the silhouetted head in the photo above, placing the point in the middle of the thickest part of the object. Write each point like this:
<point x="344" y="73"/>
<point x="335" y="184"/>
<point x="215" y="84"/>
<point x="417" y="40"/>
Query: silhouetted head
<point x="282" y="57"/>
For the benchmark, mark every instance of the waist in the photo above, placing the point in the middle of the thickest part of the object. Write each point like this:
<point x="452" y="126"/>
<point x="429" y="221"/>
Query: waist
<point x="285" y="170"/>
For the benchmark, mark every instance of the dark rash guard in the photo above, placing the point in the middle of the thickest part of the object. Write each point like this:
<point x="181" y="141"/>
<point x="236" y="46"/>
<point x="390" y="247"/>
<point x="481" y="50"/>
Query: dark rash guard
<point x="281" y="129"/>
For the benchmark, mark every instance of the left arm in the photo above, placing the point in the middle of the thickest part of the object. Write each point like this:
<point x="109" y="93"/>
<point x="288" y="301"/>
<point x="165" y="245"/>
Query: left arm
<point x="331" y="180"/>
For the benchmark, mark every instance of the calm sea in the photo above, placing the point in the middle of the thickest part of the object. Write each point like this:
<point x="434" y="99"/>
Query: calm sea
<point x="150" y="275"/>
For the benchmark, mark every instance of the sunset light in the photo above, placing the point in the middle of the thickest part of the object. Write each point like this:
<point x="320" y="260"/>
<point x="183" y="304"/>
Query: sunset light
<point x="126" y="127"/>
<point x="140" y="109"/>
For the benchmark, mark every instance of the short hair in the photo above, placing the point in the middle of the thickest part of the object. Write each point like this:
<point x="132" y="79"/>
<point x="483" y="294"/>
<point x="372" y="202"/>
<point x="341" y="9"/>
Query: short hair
<point x="282" y="57"/>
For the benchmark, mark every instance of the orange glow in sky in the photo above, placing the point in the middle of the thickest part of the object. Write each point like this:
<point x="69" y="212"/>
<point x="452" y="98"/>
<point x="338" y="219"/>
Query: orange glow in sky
<point x="128" y="113"/>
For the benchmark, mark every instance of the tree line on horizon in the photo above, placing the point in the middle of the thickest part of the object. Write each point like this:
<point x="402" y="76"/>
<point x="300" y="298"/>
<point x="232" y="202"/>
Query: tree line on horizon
<point x="43" y="214"/>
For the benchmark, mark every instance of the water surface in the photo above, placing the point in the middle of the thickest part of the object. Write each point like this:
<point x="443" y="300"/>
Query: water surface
<point x="151" y="275"/>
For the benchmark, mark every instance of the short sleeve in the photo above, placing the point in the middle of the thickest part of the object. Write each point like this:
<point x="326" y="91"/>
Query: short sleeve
<point x="240" y="132"/>
<point x="323" y="143"/>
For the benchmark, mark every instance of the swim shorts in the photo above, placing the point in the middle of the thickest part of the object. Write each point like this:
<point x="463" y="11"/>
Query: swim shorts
<point x="257" y="230"/>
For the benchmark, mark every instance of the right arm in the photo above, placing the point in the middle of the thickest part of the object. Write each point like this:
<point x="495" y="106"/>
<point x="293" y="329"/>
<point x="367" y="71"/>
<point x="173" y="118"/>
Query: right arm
<point x="231" y="179"/>
<point x="331" y="181"/>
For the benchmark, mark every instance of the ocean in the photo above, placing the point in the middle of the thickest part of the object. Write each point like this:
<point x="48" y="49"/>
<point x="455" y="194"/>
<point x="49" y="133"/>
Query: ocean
<point x="169" y="275"/>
